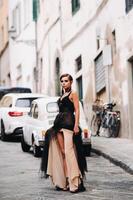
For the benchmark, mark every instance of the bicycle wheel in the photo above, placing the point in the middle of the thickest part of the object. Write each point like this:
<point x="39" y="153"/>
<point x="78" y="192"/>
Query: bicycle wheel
<point x="114" y="128"/>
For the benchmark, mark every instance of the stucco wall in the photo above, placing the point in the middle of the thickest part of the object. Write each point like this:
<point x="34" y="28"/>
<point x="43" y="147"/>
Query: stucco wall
<point x="75" y="35"/>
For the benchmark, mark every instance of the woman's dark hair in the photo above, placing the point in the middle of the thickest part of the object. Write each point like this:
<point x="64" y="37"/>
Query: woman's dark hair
<point x="66" y="75"/>
<point x="69" y="77"/>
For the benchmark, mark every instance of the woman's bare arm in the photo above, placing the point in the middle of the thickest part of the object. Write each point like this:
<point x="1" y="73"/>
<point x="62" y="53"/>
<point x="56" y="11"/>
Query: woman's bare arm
<point x="75" y="100"/>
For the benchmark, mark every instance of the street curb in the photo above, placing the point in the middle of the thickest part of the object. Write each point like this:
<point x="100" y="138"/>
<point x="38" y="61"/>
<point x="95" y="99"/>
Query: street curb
<point x="114" y="160"/>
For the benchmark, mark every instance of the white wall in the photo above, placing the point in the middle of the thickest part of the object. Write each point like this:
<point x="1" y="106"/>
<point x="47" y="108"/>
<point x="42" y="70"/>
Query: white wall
<point x="49" y="43"/>
<point x="21" y="51"/>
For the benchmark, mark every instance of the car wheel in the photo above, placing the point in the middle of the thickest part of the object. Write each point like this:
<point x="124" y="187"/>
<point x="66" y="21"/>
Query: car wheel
<point x="36" y="150"/>
<point x="87" y="150"/>
<point x="3" y="135"/>
<point x="25" y="147"/>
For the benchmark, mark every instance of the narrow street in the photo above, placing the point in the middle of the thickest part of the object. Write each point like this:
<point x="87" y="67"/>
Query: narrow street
<point x="20" y="178"/>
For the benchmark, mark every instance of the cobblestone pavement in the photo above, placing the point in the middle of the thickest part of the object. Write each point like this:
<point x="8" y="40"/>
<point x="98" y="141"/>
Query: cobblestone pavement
<point x="20" y="178"/>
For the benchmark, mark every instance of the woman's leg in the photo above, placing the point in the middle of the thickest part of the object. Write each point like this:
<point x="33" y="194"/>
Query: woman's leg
<point x="71" y="160"/>
<point x="60" y="139"/>
<point x="55" y="167"/>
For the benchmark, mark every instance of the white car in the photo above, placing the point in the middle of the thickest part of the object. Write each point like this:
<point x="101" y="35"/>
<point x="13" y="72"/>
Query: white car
<point x="41" y="117"/>
<point x="13" y="106"/>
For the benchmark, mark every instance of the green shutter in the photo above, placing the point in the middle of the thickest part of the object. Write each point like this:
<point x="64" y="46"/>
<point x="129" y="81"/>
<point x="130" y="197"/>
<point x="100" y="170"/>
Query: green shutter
<point x="75" y="5"/>
<point x="36" y="7"/>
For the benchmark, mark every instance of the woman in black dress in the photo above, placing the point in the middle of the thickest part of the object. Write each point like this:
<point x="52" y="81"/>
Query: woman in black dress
<point x="63" y="159"/>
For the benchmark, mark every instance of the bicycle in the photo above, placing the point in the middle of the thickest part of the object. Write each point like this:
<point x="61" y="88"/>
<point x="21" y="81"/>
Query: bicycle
<point x="96" y="118"/>
<point x="110" y="124"/>
<point x="114" y="124"/>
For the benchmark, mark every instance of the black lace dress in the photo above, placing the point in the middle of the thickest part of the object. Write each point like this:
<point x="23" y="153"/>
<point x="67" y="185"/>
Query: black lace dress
<point x="65" y="119"/>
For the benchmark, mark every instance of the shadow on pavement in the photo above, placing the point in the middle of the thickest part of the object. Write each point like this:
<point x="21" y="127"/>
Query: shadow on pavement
<point x="13" y="139"/>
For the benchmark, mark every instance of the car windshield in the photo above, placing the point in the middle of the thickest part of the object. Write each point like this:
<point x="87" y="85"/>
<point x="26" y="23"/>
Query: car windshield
<point x="24" y="102"/>
<point x="52" y="107"/>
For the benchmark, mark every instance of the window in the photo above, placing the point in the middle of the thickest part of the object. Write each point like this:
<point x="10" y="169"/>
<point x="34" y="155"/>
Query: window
<point x="99" y="73"/>
<point x="79" y="63"/>
<point x="17" y="19"/>
<point x="24" y="102"/>
<point x="79" y="77"/>
<point x="114" y="41"/>
<point x="75" y="6"/>
<point x="80" y="88"/>
<point x="98" y="36"/>
<point x="98" y="43"/>
<point x="26" y="12"/>
<point x="129" y="5"/>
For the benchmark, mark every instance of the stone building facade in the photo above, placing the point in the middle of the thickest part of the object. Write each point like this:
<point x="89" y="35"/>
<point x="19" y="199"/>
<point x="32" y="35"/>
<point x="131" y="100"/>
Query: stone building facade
<point x="17" y="44"/>
<point x="93" y="41"/>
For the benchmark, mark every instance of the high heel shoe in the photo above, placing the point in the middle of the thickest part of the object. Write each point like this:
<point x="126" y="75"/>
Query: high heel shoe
<point x="80" y="188"/>
<point x="63" y="189"/>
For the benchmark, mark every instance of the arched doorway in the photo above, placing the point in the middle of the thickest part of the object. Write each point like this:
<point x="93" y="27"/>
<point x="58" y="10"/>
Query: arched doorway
<point x="57" y="77"/>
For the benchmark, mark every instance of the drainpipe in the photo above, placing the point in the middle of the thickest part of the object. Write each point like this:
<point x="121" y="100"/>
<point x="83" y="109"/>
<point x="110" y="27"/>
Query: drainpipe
<point x="36" y="55"/>
<point x="49" y="65"/>
<point x="107" y="62"/>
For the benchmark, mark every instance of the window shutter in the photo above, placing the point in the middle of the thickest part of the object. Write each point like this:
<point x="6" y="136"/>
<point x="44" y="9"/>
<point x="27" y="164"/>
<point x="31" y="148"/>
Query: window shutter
<point x="35" y="9"/>
<point x="99" y="73"/>
<point x="75" y="5"/>
<point x="80" y="88"/>
<point x="129" y="5"/>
